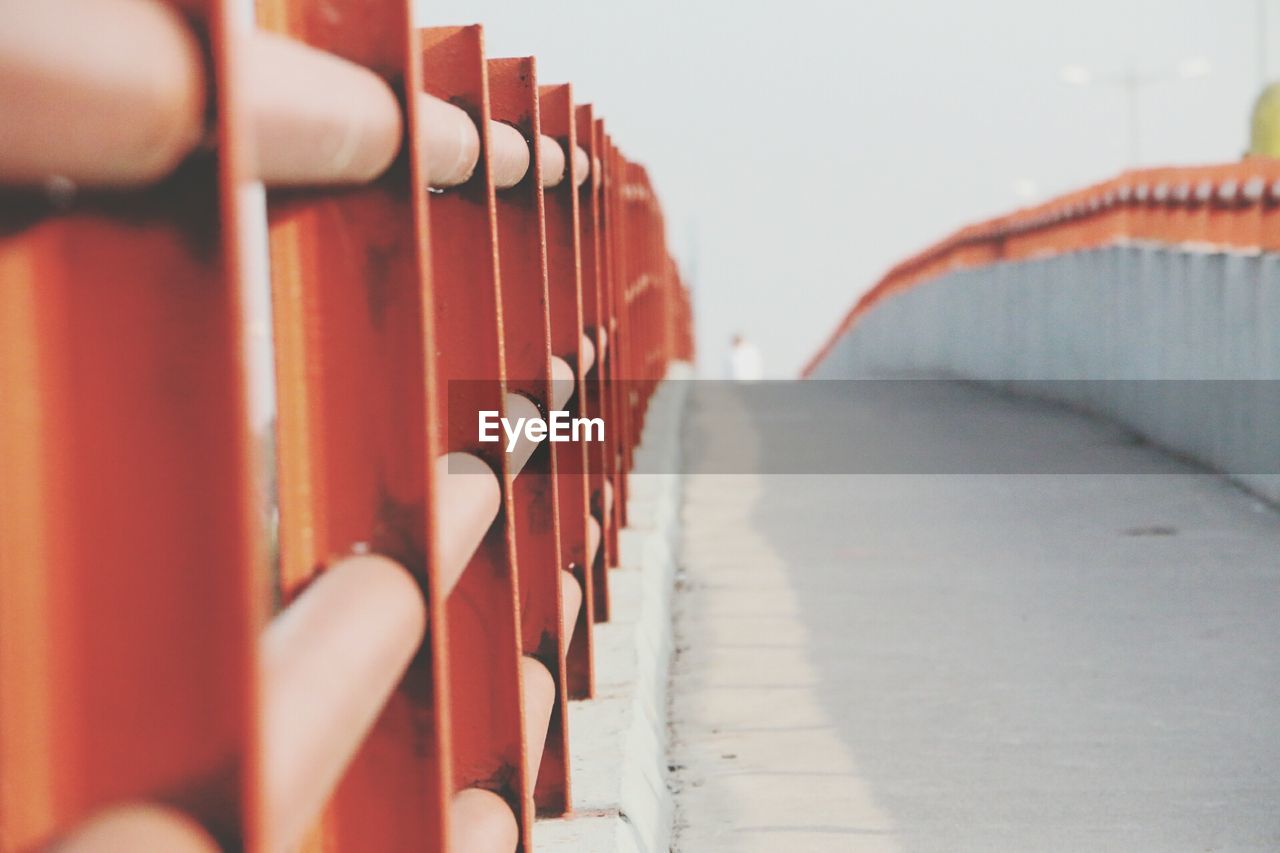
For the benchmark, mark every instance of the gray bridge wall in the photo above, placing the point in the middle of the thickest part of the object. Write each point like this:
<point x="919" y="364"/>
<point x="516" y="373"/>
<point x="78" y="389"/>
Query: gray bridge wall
<point x="1119" y="313"/>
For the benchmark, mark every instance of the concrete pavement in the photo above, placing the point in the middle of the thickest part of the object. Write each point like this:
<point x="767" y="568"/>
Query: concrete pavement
<point x="975" y="662"/>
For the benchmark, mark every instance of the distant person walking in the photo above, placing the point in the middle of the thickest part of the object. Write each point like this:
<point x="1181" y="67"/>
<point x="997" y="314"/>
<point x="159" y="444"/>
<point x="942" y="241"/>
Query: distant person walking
<point x="745" y="363"/>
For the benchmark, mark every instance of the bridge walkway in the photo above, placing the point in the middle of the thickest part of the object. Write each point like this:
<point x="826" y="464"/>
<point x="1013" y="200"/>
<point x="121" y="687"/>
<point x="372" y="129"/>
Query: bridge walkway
<point x="985" y="662"/>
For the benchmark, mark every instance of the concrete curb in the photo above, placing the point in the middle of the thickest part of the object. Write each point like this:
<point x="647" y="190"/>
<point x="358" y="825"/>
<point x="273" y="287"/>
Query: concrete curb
<point x="620" y="797"/>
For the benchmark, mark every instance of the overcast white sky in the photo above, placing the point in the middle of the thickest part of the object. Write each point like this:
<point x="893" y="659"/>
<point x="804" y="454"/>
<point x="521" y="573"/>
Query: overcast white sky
<point x="802" y="148"/>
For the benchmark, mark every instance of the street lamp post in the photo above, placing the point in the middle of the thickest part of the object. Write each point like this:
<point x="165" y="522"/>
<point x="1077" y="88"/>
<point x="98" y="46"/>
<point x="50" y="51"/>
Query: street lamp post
<point x="1131" y="82"/>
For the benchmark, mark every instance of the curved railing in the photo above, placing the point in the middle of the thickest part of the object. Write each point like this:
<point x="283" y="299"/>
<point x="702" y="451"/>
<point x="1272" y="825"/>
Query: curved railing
<point x="1151" y="299"/>
<point x="444" y="236"/>
<point x="1234" y="207"/>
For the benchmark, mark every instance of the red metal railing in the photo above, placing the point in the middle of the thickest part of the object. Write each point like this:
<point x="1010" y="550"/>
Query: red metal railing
<point x="1234" y="206"/>
<point x="435" y="217"/>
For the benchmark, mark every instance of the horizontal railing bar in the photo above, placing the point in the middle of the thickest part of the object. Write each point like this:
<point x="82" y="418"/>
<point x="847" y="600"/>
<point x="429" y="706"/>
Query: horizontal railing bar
<point x="581" y="166"/>
<point x="606" y="499"/>
<point x="593" y="538"/>
<point x="603" y="336"/>
<point x="82" y="99"/>
<point x="570" y="604"/>
<point x="520" y="406"/>
<point x="539" y="698"/>
<point x="563" y="383"/>
<point x="452" y="143"/>
<point x="552" y="161"/>
<point x="141" y="826"/>
<point x="99" y="112"/>
<point x="588" y="354"/>
<point x="329" y="661"/>
<point x="482" y="821"/>
<point x="470" y="498"/>
<point x="509" y="156"/>
<point x="317" y="118"/>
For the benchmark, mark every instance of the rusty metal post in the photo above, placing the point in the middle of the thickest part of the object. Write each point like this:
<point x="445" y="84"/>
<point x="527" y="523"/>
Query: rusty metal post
<point x="565" y="291"/>
<point x="513" y="100"/>
<point x="132" y="561"/>
<point x="641" y="283"/>
<point x="483" y="609"/>
<point x="621" y="373"/>
<point x="595" y="325"/>
<point x="614" y="389"/>
<point x="354" y="338"/>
